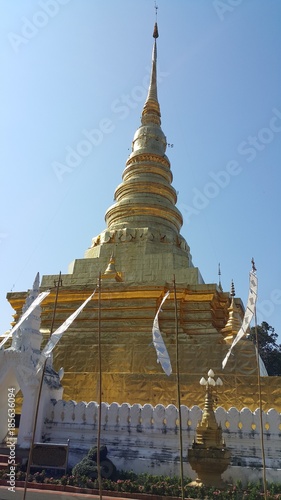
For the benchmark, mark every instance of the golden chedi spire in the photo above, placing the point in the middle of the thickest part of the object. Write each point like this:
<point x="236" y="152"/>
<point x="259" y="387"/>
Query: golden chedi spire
<point x="234" y="322"/>
<point x="146" y="198"/>
<point x="143" y="224"/>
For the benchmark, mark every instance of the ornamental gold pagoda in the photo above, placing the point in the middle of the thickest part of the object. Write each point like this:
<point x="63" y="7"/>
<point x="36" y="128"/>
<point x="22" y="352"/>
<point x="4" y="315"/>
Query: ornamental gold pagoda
<point x="138" y="255"/>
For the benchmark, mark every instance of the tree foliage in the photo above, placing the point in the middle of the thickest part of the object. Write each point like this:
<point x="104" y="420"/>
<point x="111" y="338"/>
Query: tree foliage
<point x="269" y="349"/>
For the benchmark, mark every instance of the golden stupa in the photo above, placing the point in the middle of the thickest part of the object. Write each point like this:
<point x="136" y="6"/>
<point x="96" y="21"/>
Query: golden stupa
<point x="139" y="254"/>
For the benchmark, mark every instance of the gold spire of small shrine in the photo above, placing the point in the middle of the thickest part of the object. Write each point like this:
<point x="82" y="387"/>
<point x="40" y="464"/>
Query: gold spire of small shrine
<point x="234" y="322"/>
<point x="110" y="273"/>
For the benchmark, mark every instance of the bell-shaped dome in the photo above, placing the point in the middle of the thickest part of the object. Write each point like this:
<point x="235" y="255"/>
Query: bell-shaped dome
<point x="149" y="139"/>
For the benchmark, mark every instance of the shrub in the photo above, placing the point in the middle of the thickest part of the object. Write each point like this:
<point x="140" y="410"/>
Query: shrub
<point x="93" y="453"/>
<point x="39" y="476"/>
<point x="64" y="480"/>
<point x="85" y="468"/>
<point x="20" y="475"/>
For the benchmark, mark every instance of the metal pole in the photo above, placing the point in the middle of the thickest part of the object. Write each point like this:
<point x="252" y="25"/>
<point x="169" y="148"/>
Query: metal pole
<point x="260" y="396"/>
<point x="261" y="411"/>
<point x="100" y="389"/>
<point x="178" y="387"/>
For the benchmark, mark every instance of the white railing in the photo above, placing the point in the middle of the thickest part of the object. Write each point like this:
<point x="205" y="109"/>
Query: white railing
<point x="135" y="433"/>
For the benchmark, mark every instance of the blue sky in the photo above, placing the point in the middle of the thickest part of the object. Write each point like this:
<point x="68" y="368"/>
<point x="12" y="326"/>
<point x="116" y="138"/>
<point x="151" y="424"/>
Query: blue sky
<point x="72" y="66"/>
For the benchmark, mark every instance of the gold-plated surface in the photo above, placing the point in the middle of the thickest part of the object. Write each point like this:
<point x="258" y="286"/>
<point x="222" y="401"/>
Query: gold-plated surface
<point x="130" y="369"/>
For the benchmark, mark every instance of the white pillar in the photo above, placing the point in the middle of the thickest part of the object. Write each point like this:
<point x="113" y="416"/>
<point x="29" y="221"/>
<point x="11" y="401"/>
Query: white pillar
<point x="27" y="415"/>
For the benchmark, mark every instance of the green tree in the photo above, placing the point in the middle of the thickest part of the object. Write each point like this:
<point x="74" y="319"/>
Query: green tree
<point x="269" y="350"/>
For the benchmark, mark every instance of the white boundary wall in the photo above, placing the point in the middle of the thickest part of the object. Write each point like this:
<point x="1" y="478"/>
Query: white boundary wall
<point x="146" y="438"/>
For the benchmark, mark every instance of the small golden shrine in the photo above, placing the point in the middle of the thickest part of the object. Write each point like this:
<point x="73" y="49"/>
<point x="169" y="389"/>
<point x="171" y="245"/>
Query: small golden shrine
<point x="209" y="456"/>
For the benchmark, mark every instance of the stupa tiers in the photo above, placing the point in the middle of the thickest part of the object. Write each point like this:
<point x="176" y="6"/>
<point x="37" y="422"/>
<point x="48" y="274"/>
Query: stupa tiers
<point x="138" y="254"/>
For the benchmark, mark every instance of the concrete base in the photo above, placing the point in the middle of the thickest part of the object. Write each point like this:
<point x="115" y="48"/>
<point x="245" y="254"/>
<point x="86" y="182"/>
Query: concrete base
<point x="250" y="474"/>
<point x="216" y="483"/>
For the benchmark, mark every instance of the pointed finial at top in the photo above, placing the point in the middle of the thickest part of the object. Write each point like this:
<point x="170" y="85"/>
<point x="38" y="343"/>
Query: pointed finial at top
<point x="155" y="31"/>
<point x="253" y="265"/>
<point x="151" y="110"/>
<point x="232" y="289"/>
<point x="219" y="273"/>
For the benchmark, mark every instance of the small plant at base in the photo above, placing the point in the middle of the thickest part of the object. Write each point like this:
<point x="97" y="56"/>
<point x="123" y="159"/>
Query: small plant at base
<point x="64" y="480"/>
<point x="40" y="476"/>
<point x="85" y="468"/>
<point x="20" y="475"/>
<point x="71" y="480"/>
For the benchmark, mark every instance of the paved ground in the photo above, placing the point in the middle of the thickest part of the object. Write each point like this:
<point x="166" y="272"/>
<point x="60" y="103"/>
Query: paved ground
<point x="33" y="494"/>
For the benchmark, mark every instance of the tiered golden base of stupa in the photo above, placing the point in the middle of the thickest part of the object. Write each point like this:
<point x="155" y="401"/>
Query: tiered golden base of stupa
<point x="130" y="371"/>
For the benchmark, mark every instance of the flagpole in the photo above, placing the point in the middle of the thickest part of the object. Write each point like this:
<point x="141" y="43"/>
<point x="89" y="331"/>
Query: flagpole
<point x="100" y="389"/>
<point x="57" y="285"/>
<point x="178" y="386"/>
<point x="260" y="399"/>
<point x="261" y="410"/>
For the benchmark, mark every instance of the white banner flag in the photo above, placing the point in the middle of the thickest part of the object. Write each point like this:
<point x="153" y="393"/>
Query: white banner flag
<point x="25" y="315"/>
<point x="56" y="336"/>
<point x="158" y="342"/>
<point x="250" y="310"/>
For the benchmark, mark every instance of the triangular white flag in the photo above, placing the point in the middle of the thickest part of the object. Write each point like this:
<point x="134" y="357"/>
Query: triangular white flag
<point x="56" y="336"/>
<point x="249" y="313"/>
<point x="31" y="308"/>
<point x="158" y="342"/>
